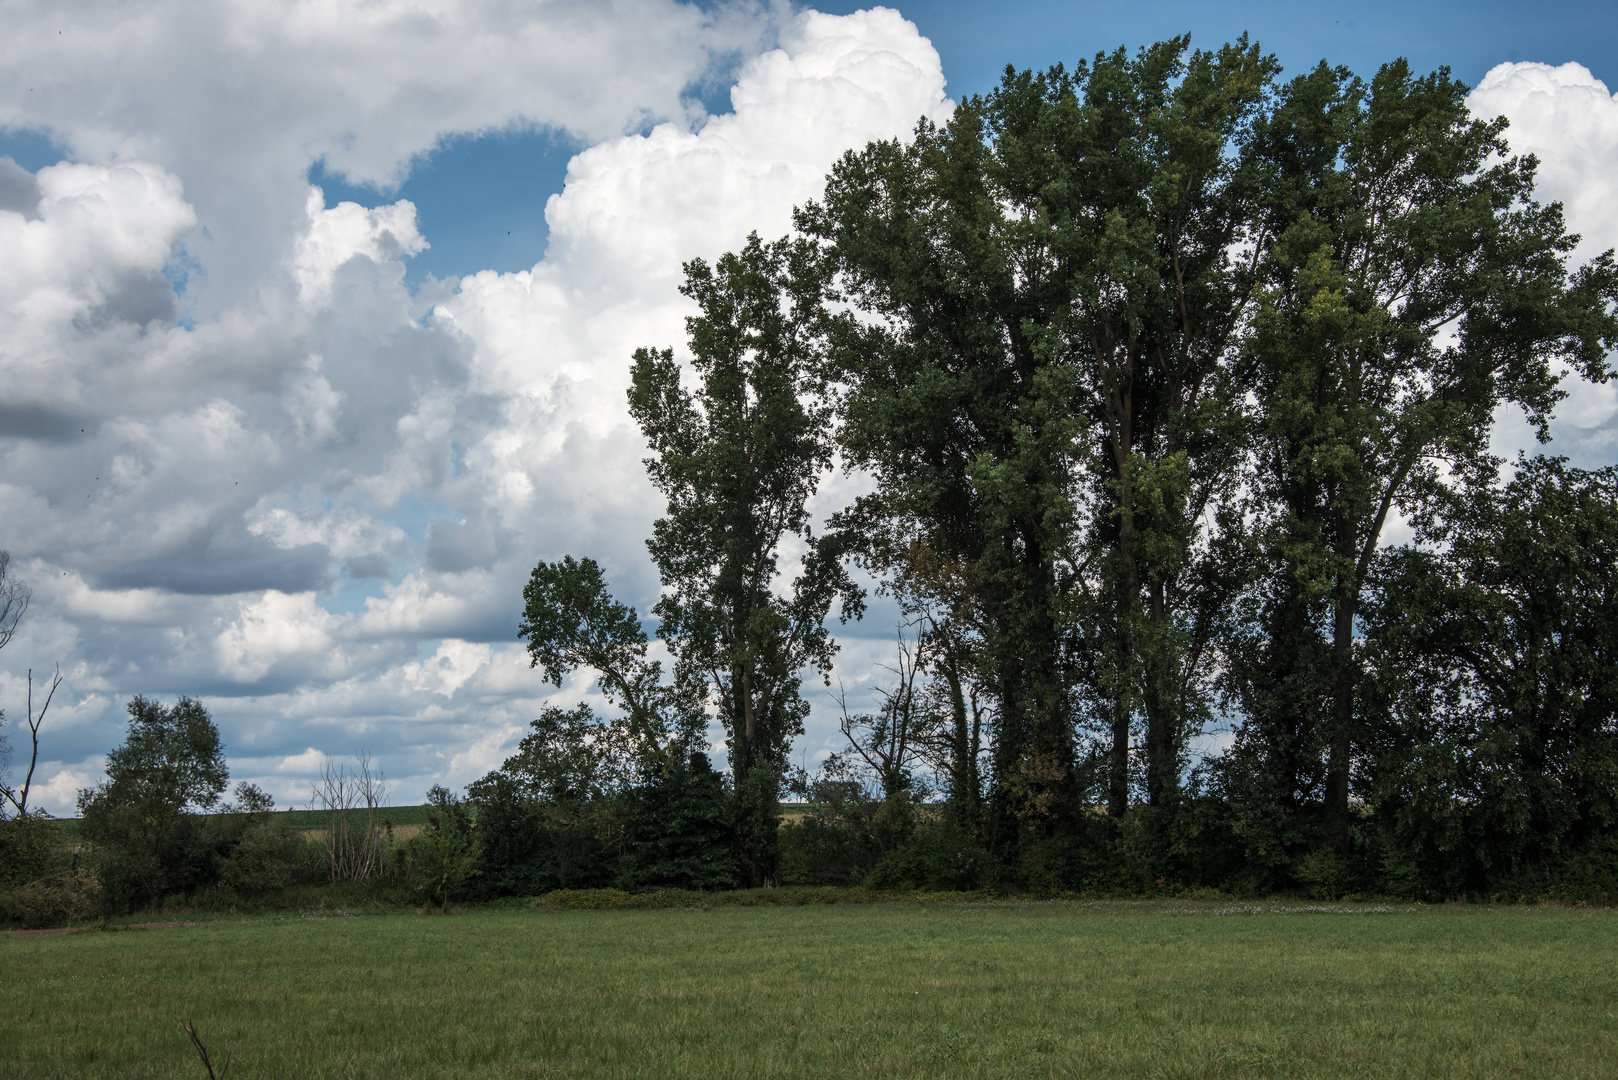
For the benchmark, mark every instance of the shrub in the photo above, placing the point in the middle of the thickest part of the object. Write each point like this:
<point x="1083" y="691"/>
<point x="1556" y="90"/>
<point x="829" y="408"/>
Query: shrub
<point x="56" y="900"/>
<point x="25" y="847"/>
<point x="442" y="857"/>
<point x="269" y="857"/>
<point x="939" y="857"/>
<point x="683" y="835"/>
<point x="821" y="850"/>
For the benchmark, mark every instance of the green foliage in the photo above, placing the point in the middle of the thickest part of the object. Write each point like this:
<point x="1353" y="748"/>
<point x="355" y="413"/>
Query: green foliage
<point x="576" y="807"/>
<point x="444" y="855"/>
<point x="1412" y="287"/>
<point x="938" y="857"/>
<point x="26" y="843"/>
<point x="267" y="858"/>
<point x="170" y="762"/>
<point x="682" y="831"/>
<point x="570" y="619"/>
<point x="737" y="457"/>
<point x="1495" y="677"/>
<point x="149" y="839"/>
<point x="54" y="900"/>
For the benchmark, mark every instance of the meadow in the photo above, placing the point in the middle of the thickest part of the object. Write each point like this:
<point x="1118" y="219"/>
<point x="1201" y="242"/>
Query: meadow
<point x="1034" y="989"/>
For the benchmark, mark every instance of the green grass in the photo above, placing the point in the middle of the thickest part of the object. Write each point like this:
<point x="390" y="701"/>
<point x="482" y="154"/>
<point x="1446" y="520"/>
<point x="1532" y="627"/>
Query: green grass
<point x="1063" y="989"/>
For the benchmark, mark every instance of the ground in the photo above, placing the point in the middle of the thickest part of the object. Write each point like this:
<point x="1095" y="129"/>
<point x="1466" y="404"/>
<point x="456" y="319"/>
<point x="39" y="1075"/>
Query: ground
<point x="1059" y="989"/>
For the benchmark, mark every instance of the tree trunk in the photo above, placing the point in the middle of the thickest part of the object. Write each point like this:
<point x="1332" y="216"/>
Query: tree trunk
<point x="1341" y="744"/>
<point x="1160" y="701"/>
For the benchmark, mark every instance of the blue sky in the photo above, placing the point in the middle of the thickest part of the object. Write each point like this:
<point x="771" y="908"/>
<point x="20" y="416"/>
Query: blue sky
<point x="310" y="484"/>
<point x="482" y="199"/>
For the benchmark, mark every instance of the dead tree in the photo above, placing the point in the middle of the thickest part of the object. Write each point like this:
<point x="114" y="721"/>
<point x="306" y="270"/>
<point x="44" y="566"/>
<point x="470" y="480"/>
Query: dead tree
<point x="18" y="798"/>
<point x="353" y="800"/>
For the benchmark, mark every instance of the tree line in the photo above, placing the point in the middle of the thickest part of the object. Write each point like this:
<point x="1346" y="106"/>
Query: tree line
<point x="1143" y="364"/>
<point x="1141" y="368"/>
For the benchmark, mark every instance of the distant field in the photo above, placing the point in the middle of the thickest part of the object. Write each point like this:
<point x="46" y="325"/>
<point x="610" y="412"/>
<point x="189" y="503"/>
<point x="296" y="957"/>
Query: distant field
<point x="305" y="819"/>
<point x="1168" y="989"/>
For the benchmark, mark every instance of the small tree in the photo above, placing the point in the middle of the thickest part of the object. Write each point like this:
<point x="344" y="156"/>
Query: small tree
<point x="353" y="801"/>
<point x="143" y="816"/>
<point x="18" y="797"/>
<point x="444" y="854"/>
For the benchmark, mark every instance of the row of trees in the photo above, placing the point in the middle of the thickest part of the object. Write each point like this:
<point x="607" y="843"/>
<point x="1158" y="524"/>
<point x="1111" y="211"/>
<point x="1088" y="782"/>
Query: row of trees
<point x="1143" y="361"/>
<point x="1140" y="363"/>
<point x="157" y="830"/>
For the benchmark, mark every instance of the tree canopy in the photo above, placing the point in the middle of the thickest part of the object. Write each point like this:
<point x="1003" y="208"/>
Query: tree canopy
<point x="1140" y="364"/>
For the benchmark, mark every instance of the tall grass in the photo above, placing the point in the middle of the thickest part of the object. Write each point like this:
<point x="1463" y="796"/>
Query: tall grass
<point x="1052" y="989"/>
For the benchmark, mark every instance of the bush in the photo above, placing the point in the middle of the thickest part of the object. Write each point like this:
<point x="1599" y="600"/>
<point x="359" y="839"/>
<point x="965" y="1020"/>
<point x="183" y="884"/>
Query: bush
<point x="683" y="835"/>
<point x="443" y="856"/>
<point x="269" y="857"/>
<point x="939" y="857"/>
<point x="822" y="850"/>
<point x="25" y="847"/>
<point x="55" y="901"/>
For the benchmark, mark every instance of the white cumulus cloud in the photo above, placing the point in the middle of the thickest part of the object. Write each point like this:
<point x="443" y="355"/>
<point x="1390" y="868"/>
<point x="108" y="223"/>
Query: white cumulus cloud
<point x="1567" y="118"/>
<point x="314" y="501"/>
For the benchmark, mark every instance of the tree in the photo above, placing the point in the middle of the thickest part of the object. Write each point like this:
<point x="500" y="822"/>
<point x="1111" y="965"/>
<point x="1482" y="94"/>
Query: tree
<point x="25" y="842"/>
<point x="443" y="856"/>
<point x="18" y="797"/>
<point x="1139" y="176"/>
<point x="14" y="598"/>
<point x="144" y="815"/>
<point x="1413" y="287"/>
<point x="967" y="420"/>
<point x="570" y="620"/>
<point x="566" y="810"/>
<point x="1040" y="383"/>
<point x="737" y="457"/>
<point x="1494" y="659"/>
<point x="682" y="830"/>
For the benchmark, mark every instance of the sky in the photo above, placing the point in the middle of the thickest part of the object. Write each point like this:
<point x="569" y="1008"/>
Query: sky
<point x="315" y="317"/>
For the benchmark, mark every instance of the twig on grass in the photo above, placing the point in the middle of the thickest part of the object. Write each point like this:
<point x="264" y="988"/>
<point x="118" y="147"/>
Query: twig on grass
<point x="202" y="1052"/>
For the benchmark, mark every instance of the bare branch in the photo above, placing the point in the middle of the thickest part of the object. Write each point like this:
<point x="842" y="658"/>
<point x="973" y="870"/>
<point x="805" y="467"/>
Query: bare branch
<point x="19" y="800"/>
<point x="353" y="800"/>
<point x="202" y="1052"/>
<point x="14" y="597"/>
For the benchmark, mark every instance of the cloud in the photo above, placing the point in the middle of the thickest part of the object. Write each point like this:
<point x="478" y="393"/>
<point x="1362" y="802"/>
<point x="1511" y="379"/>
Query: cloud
<point x="241" y="96"/>
<point x="1566" y="117"/>
<point x="552" y="343"/>
<point x="348" y="231"/>
<point x="84" y="263"/>
<point x="240" y="458"/>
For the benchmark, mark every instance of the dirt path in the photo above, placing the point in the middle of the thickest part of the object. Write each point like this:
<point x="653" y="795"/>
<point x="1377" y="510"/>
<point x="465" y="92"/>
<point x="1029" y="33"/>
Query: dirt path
<point x="170" y="925"/>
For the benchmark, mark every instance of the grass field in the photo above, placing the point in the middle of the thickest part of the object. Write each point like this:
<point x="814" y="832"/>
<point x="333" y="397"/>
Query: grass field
<point x="1173" y="989"/>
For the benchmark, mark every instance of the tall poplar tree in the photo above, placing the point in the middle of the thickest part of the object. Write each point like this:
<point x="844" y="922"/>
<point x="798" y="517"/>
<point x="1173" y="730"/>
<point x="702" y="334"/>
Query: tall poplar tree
<point x="1054" y="284"/>
<point x="956" y="403"/>
<point x="1415" y="286"/>
<point x="737" y="455"/>
<point x="1140" y="172"/>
